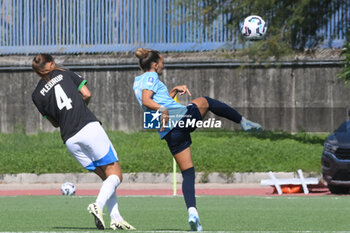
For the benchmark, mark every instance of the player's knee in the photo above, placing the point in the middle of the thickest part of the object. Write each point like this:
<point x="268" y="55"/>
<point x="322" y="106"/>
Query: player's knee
<point x="116" y="176"/>
<point x="208" y="100"/>
<point x="202" y="103"/>
<point x="120" y="177"/>
<point x="113" y="169"/>
<point x="205" y="101"/>
<point x="189" y="173"/>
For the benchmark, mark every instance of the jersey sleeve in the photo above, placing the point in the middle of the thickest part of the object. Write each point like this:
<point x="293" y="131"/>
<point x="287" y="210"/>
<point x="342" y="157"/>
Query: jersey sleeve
<point x="150" y="83"/>
<point x="78" y="80"/>
<point x="39" y="106"/>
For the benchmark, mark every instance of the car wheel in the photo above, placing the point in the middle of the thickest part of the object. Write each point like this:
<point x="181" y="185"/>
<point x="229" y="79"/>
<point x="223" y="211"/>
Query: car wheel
<point x="335" y="189"/>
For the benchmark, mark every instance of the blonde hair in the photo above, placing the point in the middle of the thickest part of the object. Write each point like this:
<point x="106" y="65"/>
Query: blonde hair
<point x="146" y="57"/>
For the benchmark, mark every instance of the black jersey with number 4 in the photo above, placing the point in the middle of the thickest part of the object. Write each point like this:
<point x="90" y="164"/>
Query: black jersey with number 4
<point x="61" y="100"/>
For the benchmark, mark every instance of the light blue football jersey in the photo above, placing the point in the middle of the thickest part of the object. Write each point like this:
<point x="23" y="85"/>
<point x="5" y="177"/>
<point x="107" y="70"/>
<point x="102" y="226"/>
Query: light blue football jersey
<point x="150" y="81"/>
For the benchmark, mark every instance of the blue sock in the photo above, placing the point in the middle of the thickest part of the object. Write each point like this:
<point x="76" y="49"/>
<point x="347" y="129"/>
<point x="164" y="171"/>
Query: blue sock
<point x="223" y="110"/>
<point x="188" y="187"/>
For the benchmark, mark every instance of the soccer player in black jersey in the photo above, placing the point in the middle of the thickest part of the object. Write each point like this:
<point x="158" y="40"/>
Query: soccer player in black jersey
<point x="61" y="96"/>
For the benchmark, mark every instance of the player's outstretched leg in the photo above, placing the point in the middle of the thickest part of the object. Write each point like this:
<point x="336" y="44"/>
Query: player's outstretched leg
<point x="224" y="110"/>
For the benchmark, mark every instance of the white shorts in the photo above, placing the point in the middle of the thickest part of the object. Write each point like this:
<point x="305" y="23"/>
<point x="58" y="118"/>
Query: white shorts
<point x="91" y="147"/>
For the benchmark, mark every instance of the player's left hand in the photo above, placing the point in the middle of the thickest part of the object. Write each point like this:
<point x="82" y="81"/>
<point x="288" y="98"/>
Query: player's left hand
<point x="182" y="90"/>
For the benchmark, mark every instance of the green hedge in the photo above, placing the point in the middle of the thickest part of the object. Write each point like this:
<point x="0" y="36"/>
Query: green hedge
<point x="212" y="151"/>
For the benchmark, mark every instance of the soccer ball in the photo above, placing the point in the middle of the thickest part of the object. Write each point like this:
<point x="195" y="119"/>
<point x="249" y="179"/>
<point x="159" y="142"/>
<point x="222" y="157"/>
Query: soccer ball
<point x="253" y="27"/>
<point x="68" y="189"/>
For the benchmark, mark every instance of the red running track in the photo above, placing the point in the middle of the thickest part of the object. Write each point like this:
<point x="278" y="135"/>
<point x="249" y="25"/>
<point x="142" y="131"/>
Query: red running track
<point x="164" y="192"/>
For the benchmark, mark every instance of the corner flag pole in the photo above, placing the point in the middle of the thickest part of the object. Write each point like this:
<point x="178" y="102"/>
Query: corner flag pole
<point x="174" y="164"/>
<point x="174" y="178"/>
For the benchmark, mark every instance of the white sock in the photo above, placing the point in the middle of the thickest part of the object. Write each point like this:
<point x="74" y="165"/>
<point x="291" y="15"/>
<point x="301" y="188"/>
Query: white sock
<point x="107" y="190"/>
<point x="112" y="205"/>
<point x="193" y="210"/>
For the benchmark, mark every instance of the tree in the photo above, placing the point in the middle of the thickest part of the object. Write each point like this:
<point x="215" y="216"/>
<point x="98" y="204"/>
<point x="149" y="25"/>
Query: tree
<point x="292" y="25"/>
<point x="345" y="73"/>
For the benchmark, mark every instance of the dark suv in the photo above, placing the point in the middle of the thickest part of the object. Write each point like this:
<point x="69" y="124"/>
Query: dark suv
<point x="336" y="160"/>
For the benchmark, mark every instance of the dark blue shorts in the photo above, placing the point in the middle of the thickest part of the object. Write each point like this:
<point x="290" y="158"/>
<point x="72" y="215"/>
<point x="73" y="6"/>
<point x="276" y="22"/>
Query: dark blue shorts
<point x="179" y="138"/>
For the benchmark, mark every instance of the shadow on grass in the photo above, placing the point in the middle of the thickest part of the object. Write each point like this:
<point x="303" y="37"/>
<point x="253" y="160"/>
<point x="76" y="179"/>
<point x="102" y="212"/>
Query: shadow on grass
<point x="75" y="228"/>
<point x="171" y="230"/>
<point x="307" y="138"/>
<point x="95" y="229"/>
<point x="300" y="137"/>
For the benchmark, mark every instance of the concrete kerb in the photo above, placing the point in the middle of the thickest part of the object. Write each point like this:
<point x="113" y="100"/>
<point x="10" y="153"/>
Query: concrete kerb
<point x="146" y="177"/>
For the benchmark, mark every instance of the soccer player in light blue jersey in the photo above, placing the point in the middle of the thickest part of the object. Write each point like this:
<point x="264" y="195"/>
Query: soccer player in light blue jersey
<point x="178" y="121"/>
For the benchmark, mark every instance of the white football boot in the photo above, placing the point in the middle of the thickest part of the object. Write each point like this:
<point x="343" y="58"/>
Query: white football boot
<point x="194" y="223"/>
<point x="123" y="225"/>
<point x="248" y="125"/>
<point x="97" y="213"/>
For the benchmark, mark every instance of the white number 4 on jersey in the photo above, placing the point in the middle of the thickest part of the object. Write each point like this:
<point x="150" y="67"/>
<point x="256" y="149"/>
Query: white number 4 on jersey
<point x="62" y="99"/>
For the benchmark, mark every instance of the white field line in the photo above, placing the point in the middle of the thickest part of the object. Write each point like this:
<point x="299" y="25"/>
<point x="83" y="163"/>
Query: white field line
<point x="160" y="231"/>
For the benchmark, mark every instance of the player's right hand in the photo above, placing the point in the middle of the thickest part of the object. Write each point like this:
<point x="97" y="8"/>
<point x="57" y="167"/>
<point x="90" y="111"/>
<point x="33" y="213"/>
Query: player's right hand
<point x="164" y="119"/>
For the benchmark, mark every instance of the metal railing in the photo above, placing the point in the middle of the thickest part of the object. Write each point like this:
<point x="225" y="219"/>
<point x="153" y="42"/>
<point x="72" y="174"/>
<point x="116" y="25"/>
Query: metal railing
<point x="91" y="26"/>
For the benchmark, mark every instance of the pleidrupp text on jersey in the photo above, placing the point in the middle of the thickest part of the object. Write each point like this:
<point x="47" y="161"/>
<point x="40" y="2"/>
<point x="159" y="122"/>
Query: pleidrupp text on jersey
<point x="51" y="84"/>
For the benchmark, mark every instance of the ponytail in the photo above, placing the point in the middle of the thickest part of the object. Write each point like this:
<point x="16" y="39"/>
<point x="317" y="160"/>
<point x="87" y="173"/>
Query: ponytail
<point x="146" y="57"/>
<point x="39" y="63"/>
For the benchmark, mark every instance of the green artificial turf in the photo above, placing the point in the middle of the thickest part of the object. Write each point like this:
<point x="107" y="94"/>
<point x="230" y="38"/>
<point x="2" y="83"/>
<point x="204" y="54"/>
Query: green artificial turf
<point x="164" y="214"/>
